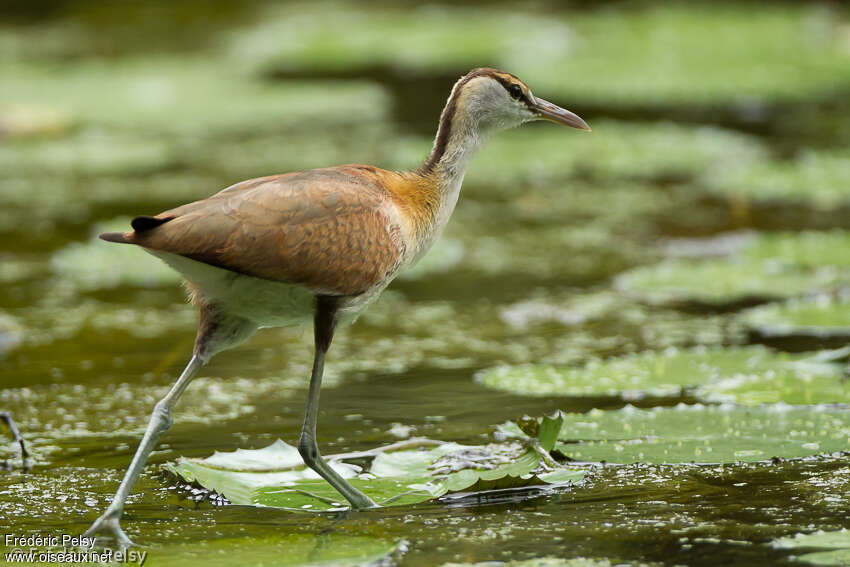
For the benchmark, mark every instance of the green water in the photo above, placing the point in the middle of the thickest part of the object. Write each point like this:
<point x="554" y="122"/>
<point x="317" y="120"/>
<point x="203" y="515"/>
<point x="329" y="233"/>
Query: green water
<point x="99" y="122"/>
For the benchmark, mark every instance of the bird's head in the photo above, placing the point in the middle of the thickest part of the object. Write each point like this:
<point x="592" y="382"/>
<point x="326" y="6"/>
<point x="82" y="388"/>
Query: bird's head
<point x="496" y="100"/>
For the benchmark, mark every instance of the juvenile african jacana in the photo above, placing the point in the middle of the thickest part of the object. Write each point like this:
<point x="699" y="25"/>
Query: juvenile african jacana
<point x="318" y="244"/>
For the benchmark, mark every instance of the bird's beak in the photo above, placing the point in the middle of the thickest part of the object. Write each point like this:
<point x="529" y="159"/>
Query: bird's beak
<point x="558" y="115"/>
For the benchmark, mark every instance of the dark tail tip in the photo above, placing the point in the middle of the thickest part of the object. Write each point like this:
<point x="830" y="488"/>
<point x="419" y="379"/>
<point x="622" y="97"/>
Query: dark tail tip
<point x="141" y="224"/>
<point x="114" y="237"/>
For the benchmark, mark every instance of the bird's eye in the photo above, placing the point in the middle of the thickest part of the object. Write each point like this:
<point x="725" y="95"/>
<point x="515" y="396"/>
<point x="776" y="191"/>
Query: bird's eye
<point x="515" y="91"/>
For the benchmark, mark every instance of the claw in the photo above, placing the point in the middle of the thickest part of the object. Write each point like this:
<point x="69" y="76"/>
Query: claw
<point x="110" y="522"/>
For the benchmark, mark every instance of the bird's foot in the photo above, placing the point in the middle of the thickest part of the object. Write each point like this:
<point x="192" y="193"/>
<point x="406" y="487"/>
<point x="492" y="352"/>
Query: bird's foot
<point x="360" y="501"/>
<point x="110" y="522"/>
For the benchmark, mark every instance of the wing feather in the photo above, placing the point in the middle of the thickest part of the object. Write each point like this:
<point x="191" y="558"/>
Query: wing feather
<point x="326" y="229"/>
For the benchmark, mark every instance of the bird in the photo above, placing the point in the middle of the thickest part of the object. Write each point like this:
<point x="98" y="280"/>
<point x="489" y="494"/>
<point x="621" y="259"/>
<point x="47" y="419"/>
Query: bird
<point x="320" y="244"/>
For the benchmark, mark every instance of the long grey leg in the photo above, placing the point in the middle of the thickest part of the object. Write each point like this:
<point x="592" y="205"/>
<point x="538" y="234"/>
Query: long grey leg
<point x="324" y="325"/>
<point x="159" y="422"/>
<point x="13" y="429"/>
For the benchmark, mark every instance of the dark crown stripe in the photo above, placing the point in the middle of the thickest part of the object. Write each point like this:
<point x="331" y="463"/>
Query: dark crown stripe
<point x="445" y="128"/>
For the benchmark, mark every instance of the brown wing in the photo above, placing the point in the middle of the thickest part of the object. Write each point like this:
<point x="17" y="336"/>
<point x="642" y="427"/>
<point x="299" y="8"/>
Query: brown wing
<point x="322" y="228"/>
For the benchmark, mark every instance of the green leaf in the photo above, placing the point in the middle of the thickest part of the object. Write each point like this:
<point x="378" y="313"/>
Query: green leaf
<point x="837" y="542"/>
<point x="808" y="249"/>
<point x="745" y="375"/>
<point x="770" y="266"/>
<point x="815" y="177"/>
<point x="666" y="53"/>
<point x="616" y="150"/>
<point x="721" y="282"/>
<point x="550" y="426"/>
<point x="703" y="434"/>
<point x="276" y="475"/>
<point x="183" y="95"/>
<point x="822" y="316"/>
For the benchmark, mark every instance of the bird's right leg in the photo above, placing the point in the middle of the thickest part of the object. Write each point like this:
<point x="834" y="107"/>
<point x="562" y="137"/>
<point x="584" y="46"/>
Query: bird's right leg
<point x="160" y="421"/>
<point x="13" y="429"/>
<point x="324" y="324"/>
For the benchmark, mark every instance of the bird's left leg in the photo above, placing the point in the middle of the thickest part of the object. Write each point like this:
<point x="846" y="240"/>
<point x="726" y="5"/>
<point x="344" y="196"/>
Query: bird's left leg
<point x="324" y="324"/>
<point x="13" y="429"/>
<point x="160" y="421"/>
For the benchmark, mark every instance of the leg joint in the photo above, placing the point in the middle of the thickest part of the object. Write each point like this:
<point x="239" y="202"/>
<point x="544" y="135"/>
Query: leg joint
<point x="308" y="449"/>
<point x="162" y="415"/>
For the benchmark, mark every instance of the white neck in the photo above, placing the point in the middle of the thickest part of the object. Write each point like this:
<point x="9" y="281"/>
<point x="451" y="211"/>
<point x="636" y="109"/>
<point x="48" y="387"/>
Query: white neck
<point x="463" y="142"/>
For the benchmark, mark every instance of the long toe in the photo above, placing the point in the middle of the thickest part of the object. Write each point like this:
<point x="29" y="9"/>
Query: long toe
<point x="109" y="524"/>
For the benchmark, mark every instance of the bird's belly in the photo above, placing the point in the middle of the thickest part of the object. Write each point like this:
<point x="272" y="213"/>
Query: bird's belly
<point x="265" y="302"/>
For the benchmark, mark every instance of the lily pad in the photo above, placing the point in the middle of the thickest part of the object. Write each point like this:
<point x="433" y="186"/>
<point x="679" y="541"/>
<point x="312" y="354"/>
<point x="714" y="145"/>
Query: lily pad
<point x="822" y="318"/>
<point x="86" y="153"/>
<point x="815" y="177"/>
<point x="702" y="434"/>
<point x="722" y="283"/>
<point x="186" y="95"/>
<point x="770" y="266"/>
<point x="835" y="547"/>
<point x="341" y="36"/>
<point x="276" y="475"/>
<point x="748" y="375"/>
<point x="666" y="53"/>
<point x="543" y="154"/>
<point x="678" y="53"/>
<point x="808" y="249"/>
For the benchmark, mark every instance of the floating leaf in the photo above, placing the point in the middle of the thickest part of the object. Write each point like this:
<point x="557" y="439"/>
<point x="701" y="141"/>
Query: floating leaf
<point x="341" y="36"/>
<point x="817" y="178"/>
<point x="770" y="266"/>
<point x="821" y="320"/>
<point x="186" y="95"/>
<point x="809" y="249"/>
<point x="721" y="283"/>
<point x="276" y="475"/>
<point x="615" y="150"/>
<point x="659" y="54"/>
<point x="838" y="544"/>
<point x="690" y="53"/>
<point x="702" y="434"/>
<point x="747" y="375"/>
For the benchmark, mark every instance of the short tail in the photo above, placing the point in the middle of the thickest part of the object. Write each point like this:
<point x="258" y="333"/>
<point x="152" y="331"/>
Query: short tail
<point x="120" y="237"/>
<point x="139" y="224"/>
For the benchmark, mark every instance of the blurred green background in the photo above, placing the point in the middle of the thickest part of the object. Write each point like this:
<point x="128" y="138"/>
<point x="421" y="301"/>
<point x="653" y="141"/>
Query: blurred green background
<point x="716" y="178"/>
